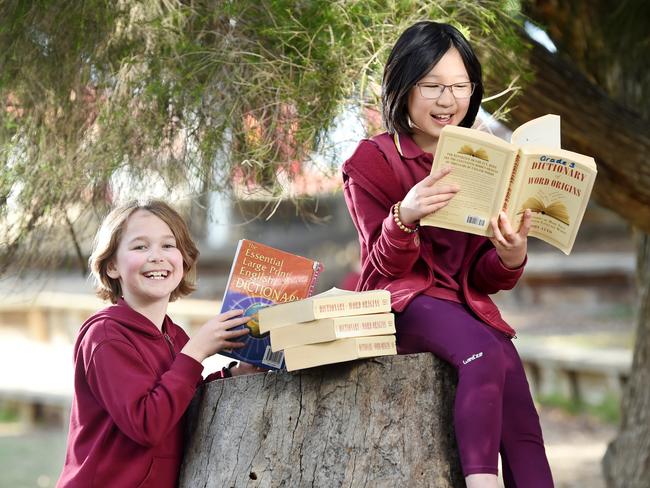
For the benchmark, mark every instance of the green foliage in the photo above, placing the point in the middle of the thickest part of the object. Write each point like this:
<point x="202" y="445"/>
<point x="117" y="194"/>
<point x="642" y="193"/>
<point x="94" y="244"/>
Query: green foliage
<point x="109" y="99"/>
<point x="609" y="410"/>
<point x="8" y="415"/>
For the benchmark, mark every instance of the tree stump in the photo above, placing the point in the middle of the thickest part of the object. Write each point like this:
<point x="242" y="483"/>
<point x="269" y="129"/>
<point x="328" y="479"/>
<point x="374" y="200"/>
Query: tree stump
<point x="382" y="422"/>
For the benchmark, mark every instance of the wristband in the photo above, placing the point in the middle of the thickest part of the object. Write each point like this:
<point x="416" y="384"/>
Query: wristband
<point x="406" y="228"/>
<point x="225" y="371"/>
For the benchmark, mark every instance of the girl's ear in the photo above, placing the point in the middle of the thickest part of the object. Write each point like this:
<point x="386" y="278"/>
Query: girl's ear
<point x="111" y="270"/>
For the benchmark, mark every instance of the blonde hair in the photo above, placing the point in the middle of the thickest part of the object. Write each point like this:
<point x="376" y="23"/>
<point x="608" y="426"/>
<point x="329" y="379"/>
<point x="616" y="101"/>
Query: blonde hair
<point x="108" y="239"/>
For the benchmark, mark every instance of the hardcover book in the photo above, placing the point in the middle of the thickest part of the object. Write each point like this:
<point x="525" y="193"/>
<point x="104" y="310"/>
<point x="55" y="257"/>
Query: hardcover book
<point x="324" y="330"/>
<point x="532" y="172"/>
<point x="332" y="303"/>
<point x="338" y="351"/>
<point x="261" y="276"/>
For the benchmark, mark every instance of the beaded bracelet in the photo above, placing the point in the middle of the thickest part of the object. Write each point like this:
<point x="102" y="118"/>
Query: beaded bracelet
<point x="401" y="224"/>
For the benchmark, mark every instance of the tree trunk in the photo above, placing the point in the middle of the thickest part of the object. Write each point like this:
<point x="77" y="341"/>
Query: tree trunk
<point x="627" y="460"/>
<point x="384" y="422"/>
<point x="593" y="123"/>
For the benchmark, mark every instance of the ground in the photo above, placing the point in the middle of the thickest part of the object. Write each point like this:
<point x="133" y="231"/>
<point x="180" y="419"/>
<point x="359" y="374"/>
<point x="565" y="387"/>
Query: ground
<point x="575" y="446"/>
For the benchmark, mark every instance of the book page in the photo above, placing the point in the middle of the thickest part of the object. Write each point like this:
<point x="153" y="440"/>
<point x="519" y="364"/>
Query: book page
<point x="481" y="166"/>
<point x="334" y="291"/>
<point x="556" y="186"/>
<point x="542" y="131"/>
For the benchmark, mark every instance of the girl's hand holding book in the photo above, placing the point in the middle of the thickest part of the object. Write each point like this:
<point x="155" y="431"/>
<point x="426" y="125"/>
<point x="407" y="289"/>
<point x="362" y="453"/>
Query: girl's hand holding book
<point x="215" y="335"/>
<point x="426" y="197"/>
<point x="511" y="246"/>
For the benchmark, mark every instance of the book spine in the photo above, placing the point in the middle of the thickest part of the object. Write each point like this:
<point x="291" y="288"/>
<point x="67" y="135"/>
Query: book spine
<point x="318" y="268"/>
<point x="513" y="177"/>
<point x="376" y="346"/>
<point x="369" y="325"/>
<point x="334" y="307"/>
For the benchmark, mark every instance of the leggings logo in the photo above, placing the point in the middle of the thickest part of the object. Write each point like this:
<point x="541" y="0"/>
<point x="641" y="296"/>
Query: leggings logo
<point x="472" y="357"/>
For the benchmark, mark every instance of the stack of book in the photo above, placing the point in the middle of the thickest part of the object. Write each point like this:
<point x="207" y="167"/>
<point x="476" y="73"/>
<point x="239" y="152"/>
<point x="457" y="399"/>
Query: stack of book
<point x="332" y="327"/>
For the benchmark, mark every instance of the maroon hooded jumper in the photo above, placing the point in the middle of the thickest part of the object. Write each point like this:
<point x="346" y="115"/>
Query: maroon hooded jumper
<point x="132" y="386"/>
<point x="378" y="175"/>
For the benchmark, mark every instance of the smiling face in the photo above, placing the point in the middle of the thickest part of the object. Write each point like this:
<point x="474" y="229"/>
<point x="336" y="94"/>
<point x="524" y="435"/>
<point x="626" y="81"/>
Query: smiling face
<point x="147" y="262"/>
<point x="428" y="117"/>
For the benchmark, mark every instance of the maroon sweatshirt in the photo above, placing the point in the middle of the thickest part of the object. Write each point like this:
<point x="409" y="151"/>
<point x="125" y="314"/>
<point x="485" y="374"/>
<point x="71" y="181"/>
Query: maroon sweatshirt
<point x="378" y="175"/>
<point x="131" y="388"/>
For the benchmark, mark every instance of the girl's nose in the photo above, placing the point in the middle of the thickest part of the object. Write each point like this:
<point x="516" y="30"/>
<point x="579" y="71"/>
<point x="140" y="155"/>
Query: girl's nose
<point x="154" y="257"/>
<point x="446" y="98"/>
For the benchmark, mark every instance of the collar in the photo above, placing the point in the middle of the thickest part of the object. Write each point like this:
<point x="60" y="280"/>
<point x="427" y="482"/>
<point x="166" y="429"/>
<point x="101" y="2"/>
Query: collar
<point x="407" y="147"/>
<point x="135" y="320"/>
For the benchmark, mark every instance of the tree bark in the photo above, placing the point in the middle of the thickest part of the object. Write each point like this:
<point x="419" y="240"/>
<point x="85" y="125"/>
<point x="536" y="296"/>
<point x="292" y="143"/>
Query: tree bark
<point x="384" y="422"/>
<point x="627" y="460"/>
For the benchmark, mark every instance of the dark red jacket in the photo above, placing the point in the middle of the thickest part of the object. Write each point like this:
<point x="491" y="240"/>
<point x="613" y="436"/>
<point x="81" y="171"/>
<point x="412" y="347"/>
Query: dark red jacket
<point x="376" y="177"/>
<point x="131" y="389"/>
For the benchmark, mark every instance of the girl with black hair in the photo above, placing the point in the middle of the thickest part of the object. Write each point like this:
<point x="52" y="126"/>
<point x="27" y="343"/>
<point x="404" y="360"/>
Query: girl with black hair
<point x="440" y="279"/>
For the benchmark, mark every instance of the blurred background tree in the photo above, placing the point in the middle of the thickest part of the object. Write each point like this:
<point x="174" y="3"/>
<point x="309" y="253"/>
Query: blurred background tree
<point x="101" y="100"/>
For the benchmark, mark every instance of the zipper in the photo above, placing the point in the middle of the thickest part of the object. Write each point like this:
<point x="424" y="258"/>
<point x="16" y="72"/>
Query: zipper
<point x="170" y="344"/>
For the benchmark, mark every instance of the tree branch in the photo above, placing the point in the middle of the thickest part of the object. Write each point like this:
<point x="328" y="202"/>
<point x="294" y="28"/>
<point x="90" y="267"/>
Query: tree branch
<point x="594" y="124"/>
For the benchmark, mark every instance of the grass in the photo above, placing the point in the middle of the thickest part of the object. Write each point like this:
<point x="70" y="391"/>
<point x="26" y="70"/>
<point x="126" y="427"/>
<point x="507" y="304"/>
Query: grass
<point x="30" y="459"/>
<point x="8" y="415"/>
<point x="619" y="311"/>
<point x="607" y="411"/>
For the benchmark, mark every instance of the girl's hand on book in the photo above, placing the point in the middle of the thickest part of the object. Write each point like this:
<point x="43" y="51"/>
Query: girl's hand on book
<point x="214" y="335"/>
<point x="511" y="246"/>
<point x="426" y="197"/>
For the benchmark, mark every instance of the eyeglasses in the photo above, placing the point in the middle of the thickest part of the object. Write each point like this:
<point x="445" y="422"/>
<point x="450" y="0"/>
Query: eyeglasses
<point x="432" y="91"/>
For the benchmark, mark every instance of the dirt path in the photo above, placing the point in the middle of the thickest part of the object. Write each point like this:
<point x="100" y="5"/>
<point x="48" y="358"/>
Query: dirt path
<point x="575" y="446"/>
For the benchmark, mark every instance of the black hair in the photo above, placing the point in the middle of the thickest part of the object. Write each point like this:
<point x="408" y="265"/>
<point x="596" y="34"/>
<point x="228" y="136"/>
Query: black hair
<point x="414" y="54"/>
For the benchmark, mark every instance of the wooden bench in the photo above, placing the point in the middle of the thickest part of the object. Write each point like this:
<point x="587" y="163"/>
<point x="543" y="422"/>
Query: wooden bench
<point x="583" y="375"/>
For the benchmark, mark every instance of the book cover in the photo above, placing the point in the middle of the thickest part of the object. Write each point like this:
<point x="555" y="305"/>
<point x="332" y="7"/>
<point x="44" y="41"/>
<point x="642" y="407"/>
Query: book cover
<point x="532" y="172"/>
<point x="261" y="276"/>
<point x="324" y="330"/>
<point x="338" y="351"/>
<point x="555" y="186"/>
<point x="331" y="303"/>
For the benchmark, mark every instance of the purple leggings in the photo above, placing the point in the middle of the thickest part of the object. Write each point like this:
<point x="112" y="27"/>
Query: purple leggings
<point x="493" y="410"/>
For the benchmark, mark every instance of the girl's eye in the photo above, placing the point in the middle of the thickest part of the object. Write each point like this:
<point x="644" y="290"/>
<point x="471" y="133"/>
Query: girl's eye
<point x="169" y="246"/>
<point x="139" y="247"/>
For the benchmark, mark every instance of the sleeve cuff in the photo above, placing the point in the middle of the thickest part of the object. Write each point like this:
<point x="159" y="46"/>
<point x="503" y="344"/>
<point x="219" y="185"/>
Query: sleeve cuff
<point x="518" y="269"/>
<point x="187" y="367"/>
<point x="396" y="234"/>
